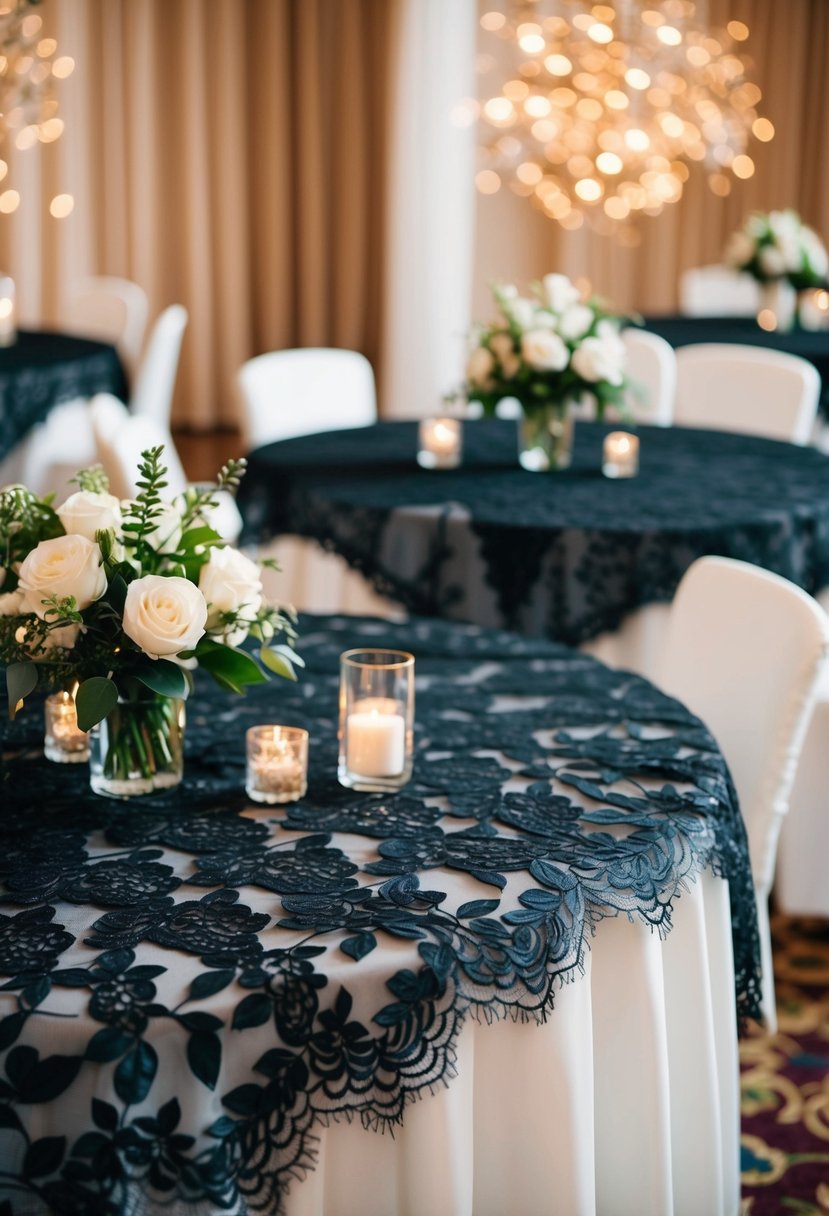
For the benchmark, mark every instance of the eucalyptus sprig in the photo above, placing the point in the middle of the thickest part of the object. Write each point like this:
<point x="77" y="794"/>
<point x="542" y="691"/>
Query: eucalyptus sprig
<point x="93" y="480"/>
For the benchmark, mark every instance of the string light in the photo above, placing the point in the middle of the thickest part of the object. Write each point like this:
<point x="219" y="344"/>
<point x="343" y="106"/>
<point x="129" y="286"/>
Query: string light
<point x="606" y="106"/>
<point x="28" y="68"/>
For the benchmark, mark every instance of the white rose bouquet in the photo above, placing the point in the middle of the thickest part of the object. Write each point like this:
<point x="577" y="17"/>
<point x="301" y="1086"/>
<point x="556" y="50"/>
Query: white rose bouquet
<point x="550" y="348"/>
<point x="123" y="600"/>
<point x="778" y="245"/>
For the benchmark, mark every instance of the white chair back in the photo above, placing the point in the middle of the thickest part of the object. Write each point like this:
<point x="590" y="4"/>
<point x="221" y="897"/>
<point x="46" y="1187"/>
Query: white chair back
<point x="112" y="309"/>
<point x="744" y="651"/>
<point x="748" y="389"/>
<point x="296" y="392"/>
<point x="651" y="366"/>
<point x="718" y="291"/>
<point x="152" y="394"/>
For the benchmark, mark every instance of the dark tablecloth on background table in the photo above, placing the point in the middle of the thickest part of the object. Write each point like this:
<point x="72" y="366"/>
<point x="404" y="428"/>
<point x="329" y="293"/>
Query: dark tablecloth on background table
<point x="193" y="985"/>
<point x="812" y="345"/>
<point x="40" y="370"/>
<point x="568" y="554"/>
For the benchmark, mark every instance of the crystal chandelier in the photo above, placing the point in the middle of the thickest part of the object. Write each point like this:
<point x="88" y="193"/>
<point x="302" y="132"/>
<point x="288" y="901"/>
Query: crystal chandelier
<point x="28" y="69"/>
<point x="607" y="106"/>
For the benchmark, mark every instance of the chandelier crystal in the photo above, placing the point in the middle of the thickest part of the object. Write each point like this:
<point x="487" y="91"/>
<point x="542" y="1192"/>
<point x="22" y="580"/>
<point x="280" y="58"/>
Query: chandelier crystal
<point x="607" y="107"/>
<point x="29" y="66"/>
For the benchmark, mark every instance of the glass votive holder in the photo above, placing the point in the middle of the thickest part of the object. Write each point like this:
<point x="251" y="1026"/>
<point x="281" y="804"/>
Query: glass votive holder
<point x="8" y="311"/>
<point x="440" y="443"/>
<point x="620" y="456"/>
<point x="64" y="742"/>
<point x="376" y="735"/>
<point x="277" y="763"/>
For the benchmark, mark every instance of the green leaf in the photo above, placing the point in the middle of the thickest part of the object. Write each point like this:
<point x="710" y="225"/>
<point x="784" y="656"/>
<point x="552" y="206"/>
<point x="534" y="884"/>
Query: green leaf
<point x="117" y="592"/>
<point x="199" y="536"/>
<point x="230" y="668"/>
<point x="21" y="679"/>
<point x="94" y="699"/>
<point x="164" y="677"/>
<point x="277" y="661"/>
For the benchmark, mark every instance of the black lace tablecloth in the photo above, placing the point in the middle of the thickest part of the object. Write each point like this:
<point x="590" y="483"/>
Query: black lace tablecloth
<point x="40" y="370"/>
<point x="567" y="555"/>
<point x="808" y="344"/>
<point x="192" y="985"/>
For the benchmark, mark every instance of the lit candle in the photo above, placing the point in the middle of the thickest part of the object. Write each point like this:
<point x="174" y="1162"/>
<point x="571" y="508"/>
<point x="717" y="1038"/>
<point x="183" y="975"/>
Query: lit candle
<point x="277" y="763"/>
<point x="440" y="441"/>
<point x="813" y="309"/>
<point x="64" y="742"/>
<point x="620" y="457"/>
<point x="8" y="312"/>
<point x="376" y="738"/>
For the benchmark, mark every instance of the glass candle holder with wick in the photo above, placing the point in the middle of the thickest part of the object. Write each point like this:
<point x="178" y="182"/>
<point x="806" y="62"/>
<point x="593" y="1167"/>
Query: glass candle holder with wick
<point x="376" y="734"/>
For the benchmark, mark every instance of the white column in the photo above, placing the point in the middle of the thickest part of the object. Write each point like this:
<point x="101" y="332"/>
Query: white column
<point x="431" y="201"/>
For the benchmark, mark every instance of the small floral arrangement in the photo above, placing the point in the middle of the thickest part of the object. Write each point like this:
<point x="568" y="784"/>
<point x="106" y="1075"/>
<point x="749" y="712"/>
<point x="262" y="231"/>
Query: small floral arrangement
<point x="778" y="245"/>
<point x="550" y="347"/>
<point x="124" y="599"/>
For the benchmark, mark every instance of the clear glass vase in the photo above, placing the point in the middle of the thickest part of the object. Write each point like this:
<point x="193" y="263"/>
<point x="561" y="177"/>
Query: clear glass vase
<point x="778" y="305"/>
<point x="138" y="748"/>
<point x="545" y="437"/>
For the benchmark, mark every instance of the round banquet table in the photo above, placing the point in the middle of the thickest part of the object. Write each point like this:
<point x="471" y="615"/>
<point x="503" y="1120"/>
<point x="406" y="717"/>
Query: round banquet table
<point x="40" y="370"/>
<point x="569" y="555"/>
<point x="812" y="345"/>
<point x="544" y="936"/>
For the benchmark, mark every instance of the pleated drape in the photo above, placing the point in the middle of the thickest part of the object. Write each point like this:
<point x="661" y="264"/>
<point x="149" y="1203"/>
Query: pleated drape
<point x="228" y="155"/>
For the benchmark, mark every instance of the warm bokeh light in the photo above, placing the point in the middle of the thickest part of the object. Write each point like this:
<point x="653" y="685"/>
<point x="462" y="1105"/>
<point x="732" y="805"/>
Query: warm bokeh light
<point x="767" y="320"/>
<point x="9" y="201"/>
<point x="610" y="106"/>
<point x="61" y="206"/>
<point x="63" y="67"/>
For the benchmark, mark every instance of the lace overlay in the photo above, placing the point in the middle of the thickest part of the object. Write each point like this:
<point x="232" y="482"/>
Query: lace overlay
<point x="566" y="556"/>
<point x="194" y="954"/>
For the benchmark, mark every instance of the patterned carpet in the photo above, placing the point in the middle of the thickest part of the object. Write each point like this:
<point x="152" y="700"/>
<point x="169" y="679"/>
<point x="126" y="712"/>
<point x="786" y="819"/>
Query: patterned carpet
<point x="785" y="1083"/>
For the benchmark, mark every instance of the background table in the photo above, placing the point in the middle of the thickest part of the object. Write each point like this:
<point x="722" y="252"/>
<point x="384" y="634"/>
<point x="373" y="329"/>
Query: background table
<point x="808" y="344"/>
<point x="41" y="370"/>
<point x="194" y="986"/>
<point x="567" y="555"/>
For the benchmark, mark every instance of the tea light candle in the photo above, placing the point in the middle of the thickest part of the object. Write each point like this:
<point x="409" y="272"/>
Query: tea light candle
<point x="620" y="457"/>
<point x="8" y="311"/>
<point x="440" y="442"/>
<point x="277" y="763"/>
<point x="64" y="742"/>
<point x="376" y="738"/>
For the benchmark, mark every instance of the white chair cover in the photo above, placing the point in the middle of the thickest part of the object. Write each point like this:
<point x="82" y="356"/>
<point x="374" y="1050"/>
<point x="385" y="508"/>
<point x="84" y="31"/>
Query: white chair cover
<point x="744" y="651"/>
<point x="296" y="392"/>
<point x="152" y="394"/>
<point x="651" y="366"/>
<point x="748" y="389"/>
<point x="111" y="309"/>
<point x="718" y="291"/>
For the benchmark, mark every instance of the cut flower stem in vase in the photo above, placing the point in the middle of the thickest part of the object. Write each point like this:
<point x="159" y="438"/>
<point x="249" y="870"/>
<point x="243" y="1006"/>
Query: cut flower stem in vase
<point x="138" y="748"/>
<point x="545" y="437"/>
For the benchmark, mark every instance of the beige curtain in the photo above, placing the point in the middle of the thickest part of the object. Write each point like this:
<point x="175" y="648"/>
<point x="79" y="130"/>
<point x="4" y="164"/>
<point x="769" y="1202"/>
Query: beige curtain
<point x="789" y="45"/>
<point x="229" y="155"/>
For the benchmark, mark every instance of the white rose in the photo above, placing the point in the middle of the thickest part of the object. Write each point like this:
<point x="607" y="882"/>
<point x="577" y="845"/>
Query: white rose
<point x="11" y="604"/>
<point x="85" y="513"/>
<point x="559" y="292"/>
<point x="480" y="366"/>
<point x="164" y="615"/>
<point x="231" y="582"/>
<point x="784" y="224"/>
<point x="67" y="565"/>
<point x="544" y="351"/>
<point x="575" y="322"/>
<point x="772" y="262"/>
<point x="599" y="359"/>
<point x="790" y="247"/>
<point x="544" y="319"/>
<point x="521" y="312"/>
<point x="815" y="252"/>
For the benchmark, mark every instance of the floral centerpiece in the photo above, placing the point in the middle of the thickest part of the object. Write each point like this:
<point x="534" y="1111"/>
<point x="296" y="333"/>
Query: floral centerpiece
<point x="547" y="351"/>
<point x="778" y="245"/>
<point x="121" y="601"/>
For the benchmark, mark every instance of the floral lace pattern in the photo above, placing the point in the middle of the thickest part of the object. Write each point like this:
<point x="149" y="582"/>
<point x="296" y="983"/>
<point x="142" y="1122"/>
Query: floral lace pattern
<point x="42" y="370"/>
<point x="566" y="556"/>
<point x="196" y="932"/>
